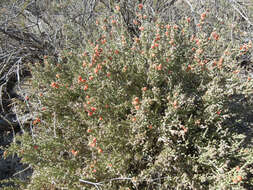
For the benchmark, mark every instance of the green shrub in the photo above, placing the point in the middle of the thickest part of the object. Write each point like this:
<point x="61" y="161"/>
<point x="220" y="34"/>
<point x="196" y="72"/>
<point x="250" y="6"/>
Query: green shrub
<point x="146" y="112"/>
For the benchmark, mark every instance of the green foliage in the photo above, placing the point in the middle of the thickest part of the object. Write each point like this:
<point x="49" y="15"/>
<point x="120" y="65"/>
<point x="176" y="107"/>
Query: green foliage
<point x="146" y="112"/>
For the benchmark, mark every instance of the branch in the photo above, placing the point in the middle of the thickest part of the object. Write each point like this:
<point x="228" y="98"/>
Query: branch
<point x="91" y="183"/>
<point x="245" y="17"/>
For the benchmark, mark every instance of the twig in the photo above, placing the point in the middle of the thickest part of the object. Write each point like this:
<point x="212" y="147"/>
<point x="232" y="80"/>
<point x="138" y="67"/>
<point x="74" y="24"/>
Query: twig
<point x="91" y="183"/>
<point x="116" y="179"/>
<point x="21" y="171"/>
<point x="54" y="124"/>
<point x="193" y="14"/>
<point x="246" y="18"/>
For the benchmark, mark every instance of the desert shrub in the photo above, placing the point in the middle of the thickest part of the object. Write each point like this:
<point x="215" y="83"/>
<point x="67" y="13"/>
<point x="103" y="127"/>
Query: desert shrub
<point x="150" y="111"/>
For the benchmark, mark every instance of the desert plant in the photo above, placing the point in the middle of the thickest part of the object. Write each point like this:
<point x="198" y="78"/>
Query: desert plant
<point x="146" y="111"/>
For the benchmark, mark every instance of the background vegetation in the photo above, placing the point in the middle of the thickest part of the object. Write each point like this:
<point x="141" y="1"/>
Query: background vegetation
<point x="127" y="94"/>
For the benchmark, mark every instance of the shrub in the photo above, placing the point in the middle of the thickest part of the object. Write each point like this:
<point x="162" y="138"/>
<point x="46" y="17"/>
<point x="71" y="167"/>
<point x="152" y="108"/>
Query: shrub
<point x="146" y="112"/>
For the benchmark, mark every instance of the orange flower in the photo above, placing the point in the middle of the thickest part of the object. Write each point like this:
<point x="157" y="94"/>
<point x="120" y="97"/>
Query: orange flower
<point x="188" y="68"/>
<point x="168" y="26"/>
<point x="84" y="64"/>
<point x="100" y="118"/>
<point x="80" y="79"/>
<point x="91" y="78"/>
<point x="141" y="28"/>
<point x="140" y="6"/>
<point x="137" y="40"/>
<point x="99" y="67"/>
<point x="92" y="145"/>
<point x="137" y="107"/>
<point x="136" y="101"/>
<point x="150" y="126"/>
<point x="103" y="41"/>
<point x="214" y="63"/>
<point x="135" y="22"/>
<point x="93" y="109"/>
<point x="117" y="7"/>
<point x="54" y="85"/>
<point x="5" y="154"/>
<point x="188" y="20"/>
<point x="184" y="128"/>
<point x="159" y="67"/>
<point x="175" y="27"/>
<point x="215" y="35"/>
<point x="114" y="22"/>
<point x="220" y="61"/>
<point x="144" y="89"/>
<point x="100" y="150"/>
<point x="36" y="121"/>
<point x="239" y="178"/>
<point x="74" y="152"/>
<point x="85" y="87"/>
<point x="89" y="130"/>
<point x="199" y="51"/>
<point x="85" y="54"/>
<point x="108" y="74"/>
<point x="175" y="104"/>
<point x="203" y="16"/>
<point x="171" y="42"/>
<point x="90" y="113"/>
